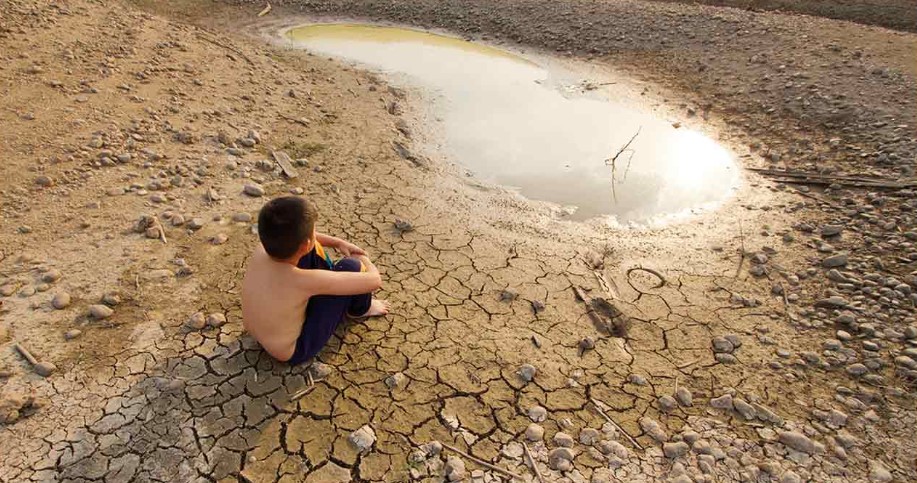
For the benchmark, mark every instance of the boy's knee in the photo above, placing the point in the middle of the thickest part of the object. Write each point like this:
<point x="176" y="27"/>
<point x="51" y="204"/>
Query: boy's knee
<point x="348" y="265"/>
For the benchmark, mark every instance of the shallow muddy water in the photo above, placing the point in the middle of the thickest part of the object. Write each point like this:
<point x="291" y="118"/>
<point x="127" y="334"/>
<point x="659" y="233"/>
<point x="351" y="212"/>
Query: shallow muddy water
<point x="513" y="122"/>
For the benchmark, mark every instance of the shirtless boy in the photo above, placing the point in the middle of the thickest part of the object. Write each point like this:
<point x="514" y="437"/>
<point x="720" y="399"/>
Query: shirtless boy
<point x="294" y="295"/>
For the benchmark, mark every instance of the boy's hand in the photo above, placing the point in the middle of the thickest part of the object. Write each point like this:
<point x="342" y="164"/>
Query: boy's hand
<point x="349" y="249"/>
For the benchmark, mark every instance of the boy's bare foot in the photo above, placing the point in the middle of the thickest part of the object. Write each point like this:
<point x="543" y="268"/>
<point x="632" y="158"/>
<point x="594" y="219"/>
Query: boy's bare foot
<point x="377" y="308"/>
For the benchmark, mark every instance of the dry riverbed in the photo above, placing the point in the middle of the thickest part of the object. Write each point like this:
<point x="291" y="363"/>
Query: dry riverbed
<point x="771" y="340"/>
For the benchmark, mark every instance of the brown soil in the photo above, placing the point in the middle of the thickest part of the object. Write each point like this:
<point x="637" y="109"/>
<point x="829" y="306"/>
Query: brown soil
<point x="179" y="86"/>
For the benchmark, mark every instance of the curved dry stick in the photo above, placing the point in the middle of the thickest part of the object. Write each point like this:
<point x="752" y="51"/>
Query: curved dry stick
<point x="482" y="462"/>
<point x="662" y="280"/>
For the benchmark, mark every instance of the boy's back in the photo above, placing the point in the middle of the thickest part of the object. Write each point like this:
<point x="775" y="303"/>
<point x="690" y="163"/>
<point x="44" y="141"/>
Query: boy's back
<point x="273" y="303"/>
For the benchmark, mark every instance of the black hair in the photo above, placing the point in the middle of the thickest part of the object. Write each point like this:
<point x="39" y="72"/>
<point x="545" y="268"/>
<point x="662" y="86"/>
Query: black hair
<point x="284" y="224"/>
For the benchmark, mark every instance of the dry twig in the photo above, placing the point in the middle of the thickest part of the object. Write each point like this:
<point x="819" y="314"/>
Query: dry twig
<point x="532" y="460"/>
<point x="598" y="406"/>
<point x="482" y="462"/>
<point x="266" y="10"/>
<point x="612" y="161"/>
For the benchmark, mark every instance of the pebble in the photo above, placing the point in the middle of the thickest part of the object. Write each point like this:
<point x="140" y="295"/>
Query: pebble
<point x="196" y="224"/>
<point x="839" y="260"/>
<point x="253" y="189"/>
<point x="44" y="181"/>
<point x="242" y="217"/>
<point x="746" y="410"/>
<point x="111" y="299"/>
<point x="675" y="450"/>
<point x="589" y="436"/>
<point x="637" y="379"/>
<point x="800" y="442"/>
<point x="722" y="345"/>
<point x="219" y="239"/>
<point x="684" y="397"/>
<point x="197" y="321"/>
<point x="563" y="440"/>
<point x="527" y="372"/>
<point x="72" y="334"/>
<point x="534" y="432"/>
<point x="61" y="300"/>
<point x="857" y="369"/>
<point x="320" y="370"/>
<point x="455" y="469"/>
<point x="395" y="380"/>
<point x="216" y="319"/>
<point x="51" y="276"/>
<point x="667" y="403"/>
<point x="561" y="459"/>
<point x="831" y="230"/>
<point x="538" y="414"/>
<point x="790" y="477"/>
<point x="722" y="402"/>
<point x="652" y="428"/>
<point x="100" y="312"/>
<point x="363" y="438"/>
<point x="878" y="472"/>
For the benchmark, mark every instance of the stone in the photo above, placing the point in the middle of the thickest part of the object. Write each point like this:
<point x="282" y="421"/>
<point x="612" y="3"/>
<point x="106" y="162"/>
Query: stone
<point x="857" y="369"/>
<point x="216" y="319"/>
<point x="878" y="472"/>
<point x="722" y="345"/>
<point x="831" y="230"/>
<point x="834" y="261"/>
<point x="800" y="442"/>
<point x="197" y="321"/>
<point x="363" y="438"/>
<point x="637" y="380"/>
<point x="675" y="450"/>
<point x="44" y="181"/>
<point x="527" y="372"/>
<point x="395" y="381"/>
<point x="534" y="432"/>
<point x="684" y="396"/>
<point x="746" y="410"/>
<point x="455" y="469"/>
<point x="561" y="459"/>
<point x="219" y="239"/>
<point x="242" y="217"/>
<point x="72" y="334"/>
<point x="111" y="299"/>
<point x="667" y="403"/>
<point x="589" y="436"/>
<point x="196" y="224"/>
<point x="652" y="428"/>
<point x="538" y="414"/>
<point x="789" y="476"/>
<point x="586" y="344"/>
<point x="722" y="402"/>
<point x="329" y="473"/>
<point x="253" y="189"/>
<point x="320" y="370"/>
<point x="61" y="300"/>
<point x="51" y="276"/>
<point x="100" y="312"/>
<point x="433" y="448"/>
<point x="563" y="440"/>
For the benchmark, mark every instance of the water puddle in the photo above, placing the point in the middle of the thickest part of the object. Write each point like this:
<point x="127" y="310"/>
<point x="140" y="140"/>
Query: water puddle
<point x="512" y="122"/>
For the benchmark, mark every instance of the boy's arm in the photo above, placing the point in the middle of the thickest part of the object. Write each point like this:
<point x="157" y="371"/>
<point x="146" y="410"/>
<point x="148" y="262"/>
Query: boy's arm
<point x="327" y="282"/>
<point x="343" y="247"/>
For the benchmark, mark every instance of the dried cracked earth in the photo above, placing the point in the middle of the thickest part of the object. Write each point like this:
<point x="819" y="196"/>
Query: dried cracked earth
<point x="772" y="340"/>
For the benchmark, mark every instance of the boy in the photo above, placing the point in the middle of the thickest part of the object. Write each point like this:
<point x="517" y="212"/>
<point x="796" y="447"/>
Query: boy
<point x="293" y="295"/>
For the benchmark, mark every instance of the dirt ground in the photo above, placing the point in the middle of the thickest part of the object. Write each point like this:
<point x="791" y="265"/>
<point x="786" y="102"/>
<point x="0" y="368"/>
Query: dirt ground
<point x="780" y="347"/>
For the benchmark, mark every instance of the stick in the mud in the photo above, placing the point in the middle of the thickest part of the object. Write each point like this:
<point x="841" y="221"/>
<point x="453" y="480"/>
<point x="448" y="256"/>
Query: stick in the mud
<point x="266" y="11"/>
<point x="687" y="364"/>
<point x="302" y="393"/>
<point x="742" y="252"/>
<point x="532" y="460"/>
<point x="630" y="438"/>
<point x="482" y="462"/>
<point x="43" y="369"/>
<point x="611" y="162"/>
<point x="227" y="47"/>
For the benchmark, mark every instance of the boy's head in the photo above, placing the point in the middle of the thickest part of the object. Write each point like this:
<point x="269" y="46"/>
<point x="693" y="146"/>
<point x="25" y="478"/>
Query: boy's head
<point x="285" y="224"/>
